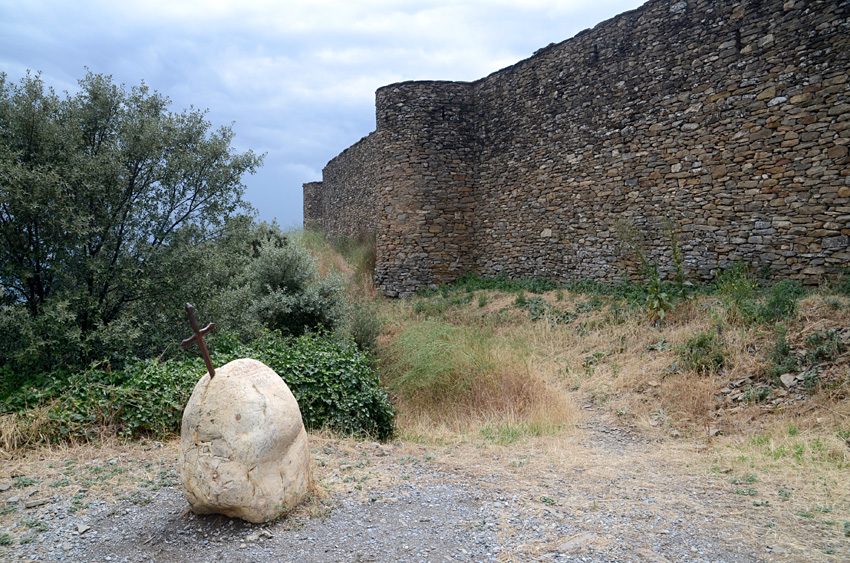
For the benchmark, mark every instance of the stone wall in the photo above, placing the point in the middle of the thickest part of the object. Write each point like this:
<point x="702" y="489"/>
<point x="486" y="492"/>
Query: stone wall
<point x="425" y="192"/>
<point x="730" y="118"/>
<point x="344" y="203"/>
<point x="313" y="206"/>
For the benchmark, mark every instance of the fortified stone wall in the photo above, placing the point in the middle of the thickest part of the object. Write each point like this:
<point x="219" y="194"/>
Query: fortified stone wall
<point x="425" y="193"/>
<point x="730" y="118"/>
<point x="313" y="206"/>
<point x="346" y="201"/>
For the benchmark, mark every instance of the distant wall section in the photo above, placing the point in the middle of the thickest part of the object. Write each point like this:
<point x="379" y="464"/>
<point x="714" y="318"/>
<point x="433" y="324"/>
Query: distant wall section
<point x="344" y="202"/>
<point x="313" y="206"/>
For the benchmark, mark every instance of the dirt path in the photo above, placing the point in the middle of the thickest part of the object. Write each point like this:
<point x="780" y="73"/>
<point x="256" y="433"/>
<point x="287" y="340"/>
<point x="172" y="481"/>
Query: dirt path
<point x="605" y="493"/>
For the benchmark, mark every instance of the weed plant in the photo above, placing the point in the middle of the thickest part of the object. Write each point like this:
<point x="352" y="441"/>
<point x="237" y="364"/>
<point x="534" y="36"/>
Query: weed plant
<point x="780" y="359"/>
<point x="737" y="287"/>
<point x="539" y="309"/>
<point x="660" y="296"/>
<point x="673" y="233"/>
<point x="823" y="346"/>
<point x="703" y="353"/>
<point x="747" y="303"/>
<point x="781" y="302"/>
<point x="755" y="394"/>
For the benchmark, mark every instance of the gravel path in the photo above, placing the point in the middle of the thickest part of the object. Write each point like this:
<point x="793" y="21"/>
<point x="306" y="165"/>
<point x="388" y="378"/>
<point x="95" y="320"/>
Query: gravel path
<point x="604" y="495"/>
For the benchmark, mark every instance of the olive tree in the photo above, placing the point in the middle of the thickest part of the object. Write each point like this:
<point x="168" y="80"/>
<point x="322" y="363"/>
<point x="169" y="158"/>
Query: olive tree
<point x="108" y="201"/>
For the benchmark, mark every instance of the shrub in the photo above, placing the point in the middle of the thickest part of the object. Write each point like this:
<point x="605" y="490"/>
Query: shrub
<point x="155" y="393"/>
<point x="703" y="353"/>
<point x="755" y="394"/>
<point x="333" y="382"/>
<point x="111" y="203"/>
<point x="281" y="290"/>
<point x="738" y="288"/>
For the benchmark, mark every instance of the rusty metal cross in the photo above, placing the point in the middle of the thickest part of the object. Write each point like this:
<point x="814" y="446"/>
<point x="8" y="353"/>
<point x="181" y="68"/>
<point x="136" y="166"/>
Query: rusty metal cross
<point x="199" y="336"/>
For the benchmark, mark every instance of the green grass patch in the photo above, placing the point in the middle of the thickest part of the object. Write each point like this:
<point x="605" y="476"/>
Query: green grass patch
<point x="746" y="492"/>
<point x="24" y="481"/>
<point x="437" y="360"/>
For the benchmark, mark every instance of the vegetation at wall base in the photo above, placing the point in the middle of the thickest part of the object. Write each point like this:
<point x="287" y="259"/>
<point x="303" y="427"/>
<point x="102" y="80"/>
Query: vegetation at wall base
<point x="498" y="365"/>
<point x="743" y="332"/>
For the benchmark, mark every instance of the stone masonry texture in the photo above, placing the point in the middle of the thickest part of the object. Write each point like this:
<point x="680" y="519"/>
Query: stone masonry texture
<point x="728" y="119"/>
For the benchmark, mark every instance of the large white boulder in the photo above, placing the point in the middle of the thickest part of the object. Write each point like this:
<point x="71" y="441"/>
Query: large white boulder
<point x="243" y="448"/>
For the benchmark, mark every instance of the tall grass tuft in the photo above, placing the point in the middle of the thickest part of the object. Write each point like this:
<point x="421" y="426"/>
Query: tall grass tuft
<point x="360" y="253"/>
<point x="703" y="353"/>
<point x="462" y="377"/>
<point x="434" y="361"/>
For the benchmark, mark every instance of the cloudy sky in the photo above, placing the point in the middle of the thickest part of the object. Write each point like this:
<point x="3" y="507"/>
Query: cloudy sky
<point x="296" y="77"/>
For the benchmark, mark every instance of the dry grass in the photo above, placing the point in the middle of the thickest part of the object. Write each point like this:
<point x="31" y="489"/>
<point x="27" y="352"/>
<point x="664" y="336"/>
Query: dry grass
<point x="464" y="380"/>
<point x="771" y="467"/>
<point x="26" y="429"/>
<point x="358" y="269"/>
<point x="618" y="357"/>
<point x="474" y="377"/>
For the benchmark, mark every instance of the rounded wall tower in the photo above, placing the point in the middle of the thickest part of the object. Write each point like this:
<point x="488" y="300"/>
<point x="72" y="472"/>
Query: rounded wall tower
<point x="425" y="201"/>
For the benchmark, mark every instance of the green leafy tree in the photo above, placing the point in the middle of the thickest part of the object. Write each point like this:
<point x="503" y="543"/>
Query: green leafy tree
<point x="108" y="201"/>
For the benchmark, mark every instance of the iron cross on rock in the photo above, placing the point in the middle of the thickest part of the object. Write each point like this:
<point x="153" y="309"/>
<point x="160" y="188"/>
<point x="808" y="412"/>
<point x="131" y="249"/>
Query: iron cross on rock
<point x="199" y="336"/>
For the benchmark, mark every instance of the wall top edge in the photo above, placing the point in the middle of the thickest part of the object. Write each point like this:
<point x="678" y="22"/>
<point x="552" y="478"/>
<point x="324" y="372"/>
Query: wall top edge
<point x="538" y="54"/>
<point x="541" y="52"/>
<point x="423" y="83"/>
<point x="350" y="149"/>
